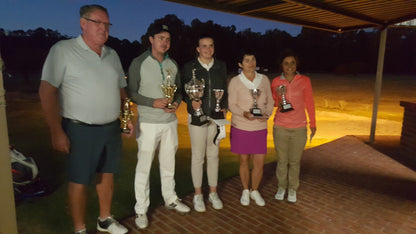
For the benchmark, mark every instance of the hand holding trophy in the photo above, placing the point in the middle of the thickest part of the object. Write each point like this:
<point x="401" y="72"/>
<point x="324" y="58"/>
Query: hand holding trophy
<point x="195" y="90"/>
<point x="126" y="115"/>
<point x="285" y="106"/>
<point x="217" y="113"/>
<point x="169" y="88"/>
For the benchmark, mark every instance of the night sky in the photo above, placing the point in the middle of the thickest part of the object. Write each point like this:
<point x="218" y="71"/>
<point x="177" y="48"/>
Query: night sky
<point x="130" y="18"/>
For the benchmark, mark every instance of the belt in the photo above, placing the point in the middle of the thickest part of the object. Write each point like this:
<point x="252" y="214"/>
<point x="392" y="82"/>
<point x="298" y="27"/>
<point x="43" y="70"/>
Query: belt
<point x="74" y="121"/>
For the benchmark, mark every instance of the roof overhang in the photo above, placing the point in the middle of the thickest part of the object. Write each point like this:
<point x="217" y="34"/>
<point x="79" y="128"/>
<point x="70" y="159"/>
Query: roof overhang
<point x="329" y="15"/>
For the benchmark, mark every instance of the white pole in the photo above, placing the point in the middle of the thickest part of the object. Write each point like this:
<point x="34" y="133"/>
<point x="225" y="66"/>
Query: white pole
<point x="379" y="78"/>
<point x="8" y="222"/>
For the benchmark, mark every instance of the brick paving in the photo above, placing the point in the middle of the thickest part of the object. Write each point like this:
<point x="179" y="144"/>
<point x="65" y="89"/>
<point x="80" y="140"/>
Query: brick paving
<point x="346" y="187"/>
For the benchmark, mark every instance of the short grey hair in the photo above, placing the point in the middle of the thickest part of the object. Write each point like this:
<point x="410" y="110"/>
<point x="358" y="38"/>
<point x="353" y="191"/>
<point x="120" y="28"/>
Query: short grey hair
<point x="85" y="10"/>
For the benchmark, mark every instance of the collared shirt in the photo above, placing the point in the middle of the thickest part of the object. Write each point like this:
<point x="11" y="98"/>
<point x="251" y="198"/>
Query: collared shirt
<point x="89" y="84"/>
<point x="241" y="100"/>
<point x="251" y="84"/>
<point x="206" y="66"/>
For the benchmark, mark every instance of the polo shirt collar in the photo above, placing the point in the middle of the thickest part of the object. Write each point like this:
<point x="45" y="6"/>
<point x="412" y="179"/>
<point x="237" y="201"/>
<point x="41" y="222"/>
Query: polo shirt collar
<point x="282" y="77"/>
<point x="164" y="57"/>
<point x="84" y="45"/>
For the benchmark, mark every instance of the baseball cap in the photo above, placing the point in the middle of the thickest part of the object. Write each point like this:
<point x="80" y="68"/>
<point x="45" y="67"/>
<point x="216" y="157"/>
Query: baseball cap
<point x="158" y="28"/>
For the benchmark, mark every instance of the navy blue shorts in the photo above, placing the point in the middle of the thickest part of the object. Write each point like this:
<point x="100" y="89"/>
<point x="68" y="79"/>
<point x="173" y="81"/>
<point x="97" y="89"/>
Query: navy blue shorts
<point x="94" y="149"/>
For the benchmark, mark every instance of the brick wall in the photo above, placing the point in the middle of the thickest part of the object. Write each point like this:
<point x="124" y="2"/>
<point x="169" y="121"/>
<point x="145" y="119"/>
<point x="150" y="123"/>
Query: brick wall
<point x="408" y="137"/>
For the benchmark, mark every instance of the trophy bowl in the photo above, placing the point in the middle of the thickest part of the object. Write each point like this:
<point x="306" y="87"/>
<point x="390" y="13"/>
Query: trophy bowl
<point x="255" y="111"/>
<point x="217" y="113"/>
<point x="195" y="90"/>
<point x="284" y="105"/>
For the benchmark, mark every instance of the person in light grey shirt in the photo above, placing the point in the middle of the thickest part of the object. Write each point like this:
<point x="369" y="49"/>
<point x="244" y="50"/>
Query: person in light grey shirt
<point x="81" y="89"/>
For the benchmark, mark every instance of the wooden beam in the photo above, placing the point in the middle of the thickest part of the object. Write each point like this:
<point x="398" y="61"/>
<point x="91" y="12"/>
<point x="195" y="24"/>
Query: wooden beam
<point x="379" y="79"/>
<point x="8" y="223"/>
<point x="327" y="7"/>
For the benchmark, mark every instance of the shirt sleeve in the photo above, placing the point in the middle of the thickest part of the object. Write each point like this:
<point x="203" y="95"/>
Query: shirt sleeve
<point x="233" y="97"/>
<point x="54" y="68"/>
<point x="269" y="97"/>
<point x="274" y="92"/>
<point x="178" y="93"/>
<point x="119" y="67"/>
<point x="309" y="103"/>
<point x="134" y="85"/>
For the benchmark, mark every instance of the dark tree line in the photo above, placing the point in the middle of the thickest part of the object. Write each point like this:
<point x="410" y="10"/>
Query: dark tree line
<point x="319" y="51"/>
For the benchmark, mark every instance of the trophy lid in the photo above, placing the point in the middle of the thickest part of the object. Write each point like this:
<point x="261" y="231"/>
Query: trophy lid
<point x="195" y="82"/>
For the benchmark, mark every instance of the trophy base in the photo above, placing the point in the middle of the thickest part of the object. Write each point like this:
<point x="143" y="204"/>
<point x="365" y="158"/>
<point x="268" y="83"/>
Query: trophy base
<point x="199" y="120"/>
<point x="171" y="106"/>
<point x="125" y="130"/>
<point x="217" y="115"/>
<point x="256" y="112"/>
<point x="286" y="107"/>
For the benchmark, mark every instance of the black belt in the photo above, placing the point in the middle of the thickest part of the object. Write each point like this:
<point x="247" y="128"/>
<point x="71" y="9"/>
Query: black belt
<point x="89" y="125"/>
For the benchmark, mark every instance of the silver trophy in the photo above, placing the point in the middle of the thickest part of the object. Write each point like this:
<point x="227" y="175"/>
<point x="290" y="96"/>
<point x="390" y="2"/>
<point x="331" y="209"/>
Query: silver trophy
<point x="195" y="91"/>
<point x="284" y="105"/>
<point x="217" y="112"/>
<point x="255" y="111"/>
<point x="169" y="88"/>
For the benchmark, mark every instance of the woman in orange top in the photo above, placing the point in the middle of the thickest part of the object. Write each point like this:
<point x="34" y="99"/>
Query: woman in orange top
<point x="289" y="130"/>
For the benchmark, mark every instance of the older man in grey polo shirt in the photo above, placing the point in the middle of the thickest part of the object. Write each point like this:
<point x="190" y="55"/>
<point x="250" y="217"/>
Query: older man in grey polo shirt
<point x="81" y="90"/>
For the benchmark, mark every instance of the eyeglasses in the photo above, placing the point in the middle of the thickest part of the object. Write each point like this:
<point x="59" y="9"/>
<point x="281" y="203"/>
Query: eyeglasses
<point x="107" y="25"/>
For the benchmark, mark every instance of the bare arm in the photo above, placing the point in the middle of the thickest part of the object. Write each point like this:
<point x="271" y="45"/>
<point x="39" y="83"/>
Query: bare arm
<point x="50" y="104"/>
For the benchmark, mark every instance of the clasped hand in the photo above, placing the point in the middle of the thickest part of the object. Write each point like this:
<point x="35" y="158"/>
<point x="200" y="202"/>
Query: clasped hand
<point x="162" y="103"/>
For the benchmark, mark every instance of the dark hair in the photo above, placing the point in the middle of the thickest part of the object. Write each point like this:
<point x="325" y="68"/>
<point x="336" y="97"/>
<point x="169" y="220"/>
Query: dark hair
<point x="245" y="52"/>
<point x="203" y="36"/>
<point x="288" y="53"/>
<point x="85" y="10"/>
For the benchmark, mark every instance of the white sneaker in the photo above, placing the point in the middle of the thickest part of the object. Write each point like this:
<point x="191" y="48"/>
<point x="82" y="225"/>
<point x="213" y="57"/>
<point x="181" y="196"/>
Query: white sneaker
<point x="216" y="201"/>
<point x="199" y="203"/>
<point x="111" y="225"/>
<point x="141" y="221"/>
<point x="178" y="206"/>
<point x="83" y="231"/>
<point x="255" y="195"/>
<point x="291" y="197"/>
<point x="280" y="195"/>
<point x="245" y="198"/>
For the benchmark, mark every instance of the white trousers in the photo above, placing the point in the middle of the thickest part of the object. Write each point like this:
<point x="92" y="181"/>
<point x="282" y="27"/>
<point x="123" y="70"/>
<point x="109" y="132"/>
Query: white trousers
<point x="149" y="137"/>
<point x="202" y="143"/>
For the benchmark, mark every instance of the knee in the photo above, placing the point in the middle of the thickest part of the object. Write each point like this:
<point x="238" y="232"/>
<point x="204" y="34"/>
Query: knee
<point x="244" y="163"/>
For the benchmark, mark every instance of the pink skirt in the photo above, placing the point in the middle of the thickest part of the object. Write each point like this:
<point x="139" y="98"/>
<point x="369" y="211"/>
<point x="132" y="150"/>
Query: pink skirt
<point x="248" y="142"/>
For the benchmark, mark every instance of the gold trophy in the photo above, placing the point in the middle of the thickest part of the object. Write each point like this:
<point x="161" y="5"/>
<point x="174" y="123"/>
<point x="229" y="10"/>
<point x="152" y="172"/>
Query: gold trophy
<point x="169" y="88"/>
<point x="126" y="115"/>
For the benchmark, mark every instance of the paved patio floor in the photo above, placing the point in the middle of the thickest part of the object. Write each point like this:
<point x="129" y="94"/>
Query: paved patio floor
<point x="346" y="187"/>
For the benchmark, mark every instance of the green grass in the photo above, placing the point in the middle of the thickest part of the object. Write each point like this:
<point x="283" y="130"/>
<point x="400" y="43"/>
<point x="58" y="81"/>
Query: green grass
<point x="50" y="214"/>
